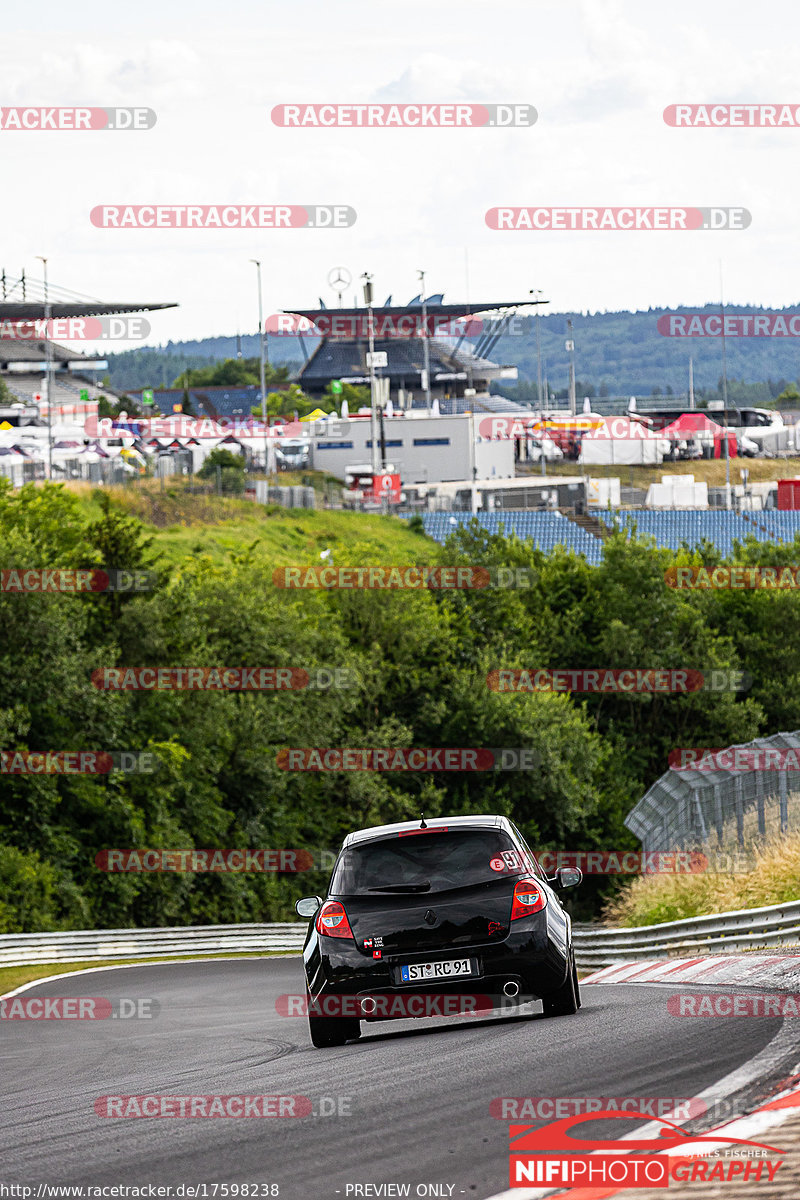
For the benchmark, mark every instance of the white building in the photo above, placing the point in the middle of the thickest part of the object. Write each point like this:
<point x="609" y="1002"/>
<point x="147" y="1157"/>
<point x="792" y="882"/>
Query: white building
<point x="422" y="448"/>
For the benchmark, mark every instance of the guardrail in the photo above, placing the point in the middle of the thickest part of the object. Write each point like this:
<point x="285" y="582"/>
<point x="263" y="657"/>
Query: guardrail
<point x="753" y="928"/>
<point x="23" y="949"/>
<point x="750" y="928"/>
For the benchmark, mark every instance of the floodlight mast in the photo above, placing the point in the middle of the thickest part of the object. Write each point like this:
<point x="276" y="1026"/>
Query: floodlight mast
<point x="425" y="344"/>
<point x="261" y="366"/>
<point x="48" y="370"/>
<point x="373" y="418"/>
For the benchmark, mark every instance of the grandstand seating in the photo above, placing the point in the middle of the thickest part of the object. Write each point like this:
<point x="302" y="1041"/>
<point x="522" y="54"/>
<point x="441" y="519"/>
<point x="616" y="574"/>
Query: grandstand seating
<point x="66" y="389"/>
<point x="718" y="526"/>
<point x="670" y="529"/>
<point x="545" y="529"/>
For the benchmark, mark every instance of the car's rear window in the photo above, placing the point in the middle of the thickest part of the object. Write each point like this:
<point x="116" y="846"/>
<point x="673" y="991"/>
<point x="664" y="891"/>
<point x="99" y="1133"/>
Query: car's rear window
<point x="457" y="858"/>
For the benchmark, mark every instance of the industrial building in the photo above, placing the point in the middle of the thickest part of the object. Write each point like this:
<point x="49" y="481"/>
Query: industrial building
<point x="422" y="448"/>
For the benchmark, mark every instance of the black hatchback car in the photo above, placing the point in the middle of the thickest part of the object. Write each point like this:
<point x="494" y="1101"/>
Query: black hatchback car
<point x="436" y="918"/>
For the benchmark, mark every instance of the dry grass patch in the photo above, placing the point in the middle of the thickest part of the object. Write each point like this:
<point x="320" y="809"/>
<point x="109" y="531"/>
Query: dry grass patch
<point x="651" y="899"/>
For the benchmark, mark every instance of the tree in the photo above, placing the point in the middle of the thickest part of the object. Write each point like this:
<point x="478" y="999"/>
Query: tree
<point x="222" y="458"/>
<point x="285" y="404"/>
<point x="232" y="372"/>
<point x="355" y="395"/>
<point x="108" y="408"/>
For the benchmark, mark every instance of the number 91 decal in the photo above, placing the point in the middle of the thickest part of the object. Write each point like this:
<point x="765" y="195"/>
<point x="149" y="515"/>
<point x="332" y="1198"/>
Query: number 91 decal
<point x="510" y="860"/>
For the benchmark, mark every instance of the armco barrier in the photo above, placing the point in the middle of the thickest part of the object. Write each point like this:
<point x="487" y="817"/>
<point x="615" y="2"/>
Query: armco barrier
<point x="595" y="946"/>
<point x="747" y="929"/>
<point x="22" y="949"/>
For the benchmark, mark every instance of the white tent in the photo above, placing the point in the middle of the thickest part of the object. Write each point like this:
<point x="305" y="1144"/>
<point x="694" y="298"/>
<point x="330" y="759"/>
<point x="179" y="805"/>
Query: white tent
<point x="11" y="466"/>
<point x="620" y="442"/>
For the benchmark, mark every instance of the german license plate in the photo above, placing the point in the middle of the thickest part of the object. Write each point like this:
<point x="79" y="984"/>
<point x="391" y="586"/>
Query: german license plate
<point x="415" y="972"/>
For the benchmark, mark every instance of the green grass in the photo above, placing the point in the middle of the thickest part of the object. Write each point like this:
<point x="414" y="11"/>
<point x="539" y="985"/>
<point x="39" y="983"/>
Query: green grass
<point x="14" y="977"/>
<point x="186" y="525"/>
<point x="296" y="536"/>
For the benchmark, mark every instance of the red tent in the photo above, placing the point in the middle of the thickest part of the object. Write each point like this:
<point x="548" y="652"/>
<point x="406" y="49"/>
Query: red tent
<point x="697" y="426"/>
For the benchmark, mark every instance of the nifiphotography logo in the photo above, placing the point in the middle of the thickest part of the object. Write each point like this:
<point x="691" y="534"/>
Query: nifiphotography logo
<point x="550" y="1156"/>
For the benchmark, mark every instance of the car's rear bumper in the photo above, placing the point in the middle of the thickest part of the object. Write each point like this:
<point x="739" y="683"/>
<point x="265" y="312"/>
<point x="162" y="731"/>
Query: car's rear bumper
<point x="527" y="958"/>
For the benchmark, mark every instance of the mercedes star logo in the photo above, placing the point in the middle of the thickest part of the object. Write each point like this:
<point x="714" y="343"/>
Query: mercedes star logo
<point x="340" y="279"/>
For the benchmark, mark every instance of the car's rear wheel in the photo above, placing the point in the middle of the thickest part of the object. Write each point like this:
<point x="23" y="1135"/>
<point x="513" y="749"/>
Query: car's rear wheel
<point x="331" y="1031"/>
<point x="567" y="999"/>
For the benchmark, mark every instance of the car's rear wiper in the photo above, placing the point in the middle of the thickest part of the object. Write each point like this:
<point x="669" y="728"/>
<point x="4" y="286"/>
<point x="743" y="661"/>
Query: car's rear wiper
<point x="403" y="887"/>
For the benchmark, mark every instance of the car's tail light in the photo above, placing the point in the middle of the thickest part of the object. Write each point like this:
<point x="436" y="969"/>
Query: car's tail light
<point x="529" y="898"/>
<point x="332" y="920"/>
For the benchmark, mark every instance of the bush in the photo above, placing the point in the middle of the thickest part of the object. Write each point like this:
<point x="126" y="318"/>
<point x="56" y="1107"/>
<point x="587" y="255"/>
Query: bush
<point x="226" y="459"/>
<point x="26" y="892"/>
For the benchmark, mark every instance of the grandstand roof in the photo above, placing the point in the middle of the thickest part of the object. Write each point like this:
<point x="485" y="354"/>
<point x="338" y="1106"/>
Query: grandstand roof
<point x="31" y="310"/>
<point x="433" y="309"/>
<point x="342" y="359"/>
<point x="12" y="351"/>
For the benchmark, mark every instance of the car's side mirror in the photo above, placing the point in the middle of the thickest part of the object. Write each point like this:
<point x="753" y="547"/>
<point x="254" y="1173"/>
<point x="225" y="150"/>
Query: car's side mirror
<point x="567" y="877"/>
<point x="309" y="906"/>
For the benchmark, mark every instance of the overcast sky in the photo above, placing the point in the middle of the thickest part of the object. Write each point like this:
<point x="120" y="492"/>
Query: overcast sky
<point x="599" y="73"/>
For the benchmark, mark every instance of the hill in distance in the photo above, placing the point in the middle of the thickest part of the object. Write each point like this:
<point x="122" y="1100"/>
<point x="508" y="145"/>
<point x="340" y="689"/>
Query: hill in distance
<point x="616" y="354"/>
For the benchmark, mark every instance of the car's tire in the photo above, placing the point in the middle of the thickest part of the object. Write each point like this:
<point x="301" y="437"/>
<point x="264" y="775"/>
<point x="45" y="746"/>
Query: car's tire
<point x="331" y="1031"/>
<point x="566" y="1000"/>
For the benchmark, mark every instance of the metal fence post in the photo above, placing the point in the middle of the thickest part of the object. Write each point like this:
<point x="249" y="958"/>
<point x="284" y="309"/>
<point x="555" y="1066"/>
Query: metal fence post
<point x="762" y="817"/>
<point x="718" y="816"/>
<point x="737" y="788"/>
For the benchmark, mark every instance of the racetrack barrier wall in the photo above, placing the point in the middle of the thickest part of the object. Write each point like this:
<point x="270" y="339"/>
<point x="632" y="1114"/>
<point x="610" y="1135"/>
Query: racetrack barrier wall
<point x="595" y="946"/>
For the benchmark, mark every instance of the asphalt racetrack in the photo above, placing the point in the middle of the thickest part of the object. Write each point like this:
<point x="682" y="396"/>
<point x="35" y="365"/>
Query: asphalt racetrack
<point x="408" y="1104"/>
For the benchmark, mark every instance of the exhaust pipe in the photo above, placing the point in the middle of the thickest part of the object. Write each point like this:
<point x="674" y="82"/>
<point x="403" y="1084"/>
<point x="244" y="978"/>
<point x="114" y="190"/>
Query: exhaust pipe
<point x="510" y="989"/>
<point x="368" y="1005"/>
